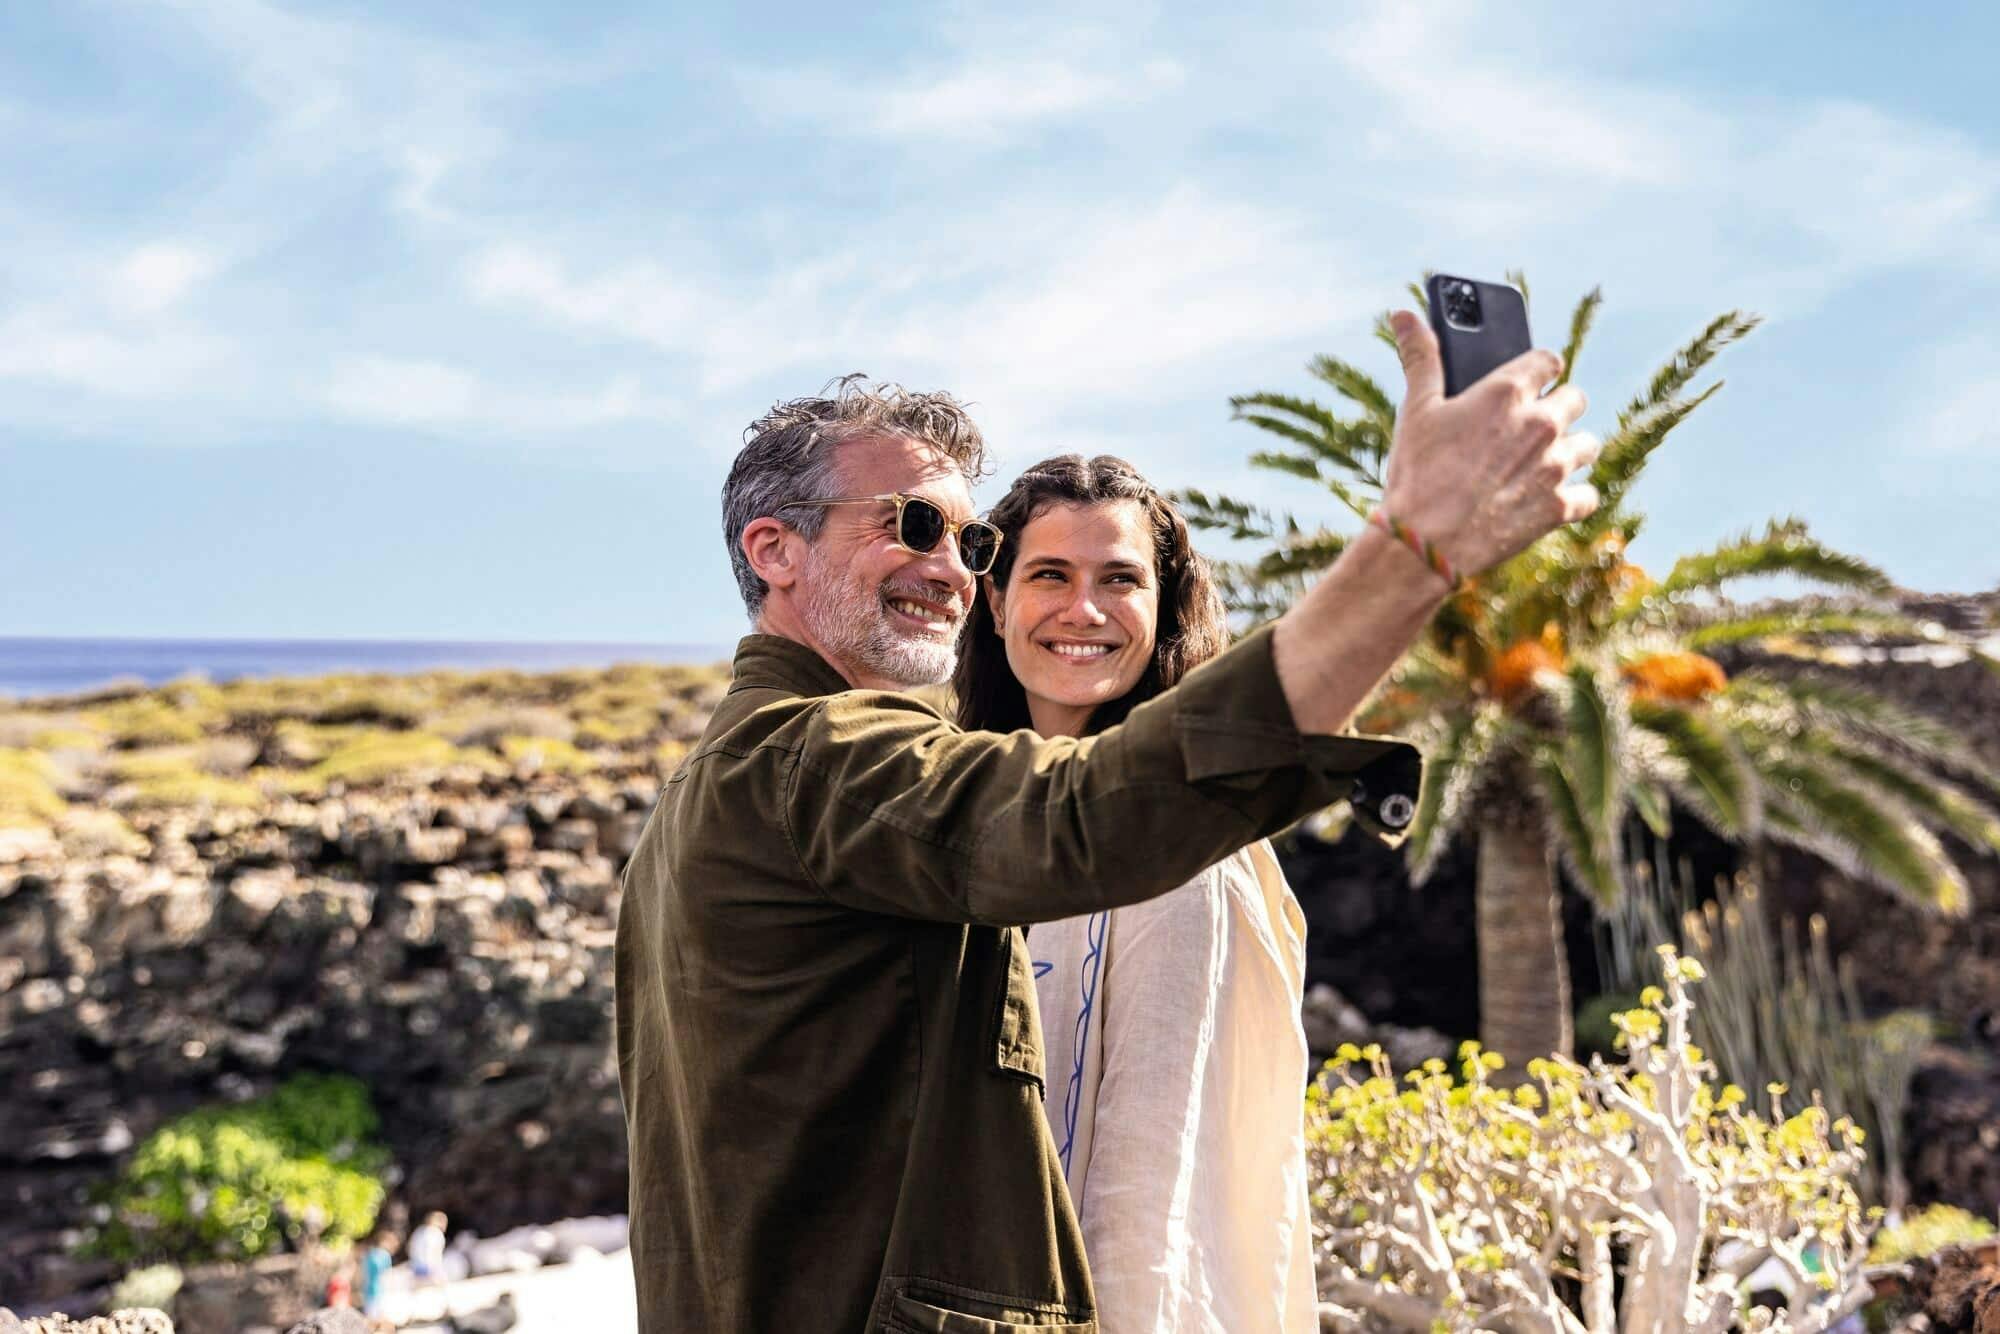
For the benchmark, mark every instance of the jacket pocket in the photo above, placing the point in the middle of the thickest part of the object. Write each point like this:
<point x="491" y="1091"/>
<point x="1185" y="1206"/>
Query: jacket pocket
<point x="1017" y="1024"/>
<point x="913" y="1315"/>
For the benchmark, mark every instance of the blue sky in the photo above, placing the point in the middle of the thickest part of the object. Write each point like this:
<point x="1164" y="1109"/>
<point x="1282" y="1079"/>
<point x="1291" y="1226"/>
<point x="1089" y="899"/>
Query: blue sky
<point x="444" y="321"/>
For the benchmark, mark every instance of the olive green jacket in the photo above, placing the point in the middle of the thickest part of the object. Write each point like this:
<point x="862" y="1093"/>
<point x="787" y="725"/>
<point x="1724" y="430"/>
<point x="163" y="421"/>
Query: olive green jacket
<point x="827" y="1038"/>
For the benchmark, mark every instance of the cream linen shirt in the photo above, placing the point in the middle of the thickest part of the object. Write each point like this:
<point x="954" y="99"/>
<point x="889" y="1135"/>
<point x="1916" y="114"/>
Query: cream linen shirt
<point x="1177" y="1068"/>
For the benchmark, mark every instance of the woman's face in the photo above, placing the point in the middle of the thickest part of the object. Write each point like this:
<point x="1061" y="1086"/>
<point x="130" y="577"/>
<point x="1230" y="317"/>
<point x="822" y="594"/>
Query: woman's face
<point x="1080" y="611"/>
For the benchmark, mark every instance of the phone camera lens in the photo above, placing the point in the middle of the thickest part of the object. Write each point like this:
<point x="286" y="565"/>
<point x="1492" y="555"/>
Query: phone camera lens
<point x="1461" y="304"/>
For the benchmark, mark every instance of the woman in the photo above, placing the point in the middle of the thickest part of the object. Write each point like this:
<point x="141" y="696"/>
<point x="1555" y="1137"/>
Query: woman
<point x="1176" y="1061"/>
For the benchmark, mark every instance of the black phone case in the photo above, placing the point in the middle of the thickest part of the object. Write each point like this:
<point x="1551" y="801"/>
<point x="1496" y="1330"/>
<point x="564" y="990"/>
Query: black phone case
<point x="1501" y="336"/>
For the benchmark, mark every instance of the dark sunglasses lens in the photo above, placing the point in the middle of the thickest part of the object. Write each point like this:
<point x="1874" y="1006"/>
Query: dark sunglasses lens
<point x="978" y="544"/>
<point x="923" y="525"/>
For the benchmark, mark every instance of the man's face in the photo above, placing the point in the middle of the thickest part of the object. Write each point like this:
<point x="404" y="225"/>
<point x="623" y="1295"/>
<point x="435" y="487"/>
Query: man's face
<point x="888" y="616"/>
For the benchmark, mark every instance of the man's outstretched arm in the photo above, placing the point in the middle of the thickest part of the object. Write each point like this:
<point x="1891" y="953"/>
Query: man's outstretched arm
<point x="1479" y="476"/>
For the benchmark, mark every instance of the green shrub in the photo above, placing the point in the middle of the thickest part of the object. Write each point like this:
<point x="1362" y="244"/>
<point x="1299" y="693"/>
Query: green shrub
<point x="172" y="778"/>
<point x="546" y="755"/>
<point x="151" y="1288"/>
<point x="28" y="798"/>
<point x="147" y="720"/>
<point x="236" y="1182"/>
<point x="1926" y="1232"/>
<point x="372" y="757"/>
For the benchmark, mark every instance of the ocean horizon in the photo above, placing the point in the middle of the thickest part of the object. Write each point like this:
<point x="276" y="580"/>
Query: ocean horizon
<point x="33" y="667"/>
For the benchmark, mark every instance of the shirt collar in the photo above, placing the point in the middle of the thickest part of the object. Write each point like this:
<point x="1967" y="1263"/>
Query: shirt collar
<point x="773" y="660"/>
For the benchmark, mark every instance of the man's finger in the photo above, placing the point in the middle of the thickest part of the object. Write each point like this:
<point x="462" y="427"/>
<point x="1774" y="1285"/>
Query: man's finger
<point x="1577" y="450"/>
<point x="1567" y="404"/>
<point x="1579" y="501"/>
<point x="1423" y="374"/>
<point x="1532" y="370"/>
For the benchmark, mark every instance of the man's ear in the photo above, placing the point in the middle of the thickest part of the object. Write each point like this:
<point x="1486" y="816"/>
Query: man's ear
<point x="996" y="598"/>
<point x="773" y="551"/>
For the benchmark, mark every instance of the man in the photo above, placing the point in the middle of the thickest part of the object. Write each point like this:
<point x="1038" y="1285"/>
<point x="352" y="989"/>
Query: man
<point x="827" y="1037"/>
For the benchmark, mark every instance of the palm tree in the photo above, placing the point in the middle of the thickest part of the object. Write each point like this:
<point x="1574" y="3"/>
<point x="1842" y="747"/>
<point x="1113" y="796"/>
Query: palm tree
<point x="1566" y="693"/>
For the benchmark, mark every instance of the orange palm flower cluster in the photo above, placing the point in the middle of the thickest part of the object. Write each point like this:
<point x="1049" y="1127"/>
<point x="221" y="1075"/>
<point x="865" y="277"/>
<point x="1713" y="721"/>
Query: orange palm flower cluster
<point x="1515" y="670"/>
<point x="1676" y="677"/>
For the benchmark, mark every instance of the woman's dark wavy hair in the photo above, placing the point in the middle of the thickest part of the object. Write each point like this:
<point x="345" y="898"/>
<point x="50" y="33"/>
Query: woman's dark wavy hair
<point x="1193" y="626"/>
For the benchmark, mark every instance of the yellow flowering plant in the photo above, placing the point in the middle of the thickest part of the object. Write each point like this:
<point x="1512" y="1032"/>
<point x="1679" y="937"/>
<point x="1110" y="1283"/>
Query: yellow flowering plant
<point x="1633" y="1198"/>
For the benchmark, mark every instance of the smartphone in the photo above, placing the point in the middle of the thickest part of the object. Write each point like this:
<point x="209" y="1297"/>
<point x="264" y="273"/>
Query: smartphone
<point x="1479" y="326"/>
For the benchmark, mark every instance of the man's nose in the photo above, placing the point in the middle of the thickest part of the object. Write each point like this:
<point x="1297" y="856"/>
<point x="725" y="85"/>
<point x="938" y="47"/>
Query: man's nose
<point x="946" y="565"/>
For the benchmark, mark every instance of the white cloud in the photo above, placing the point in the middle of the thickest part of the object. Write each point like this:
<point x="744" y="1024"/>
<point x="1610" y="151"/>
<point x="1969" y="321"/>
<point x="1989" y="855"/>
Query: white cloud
<point x="985" y="98"/>
<point x="1958" y="401"/>
<point x="1467" y="107"/>
<point x="54" y="347"/>
<point x="157" y="275"/>
<point x="430" y="395"/>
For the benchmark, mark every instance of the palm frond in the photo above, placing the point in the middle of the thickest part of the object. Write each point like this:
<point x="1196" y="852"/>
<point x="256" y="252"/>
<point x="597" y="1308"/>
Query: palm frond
<point x="1519" y="280"/>
<point x="1356" y="385"/>
<point x="1784" y="548"/>
<point x="1589" y="852"/>
<point x="1219" y="513"/>
<point x="1681" y="368"/>
<point x="1711" y="775"/>
<point x="1938" y="804"/>
<point x="1300" y="554"/>
<point x="1813" y="807"/>
<point x="1580" y="321"/>
<point x="1593" y="746"/>
<point x="1452" y="773"/>
<point x="1625" y="453"/>
<point x="1355" y="446"/>
<point x="1821" y="703"/>
<point x="1251" y="598"/>
<point x="1734" y="627"/>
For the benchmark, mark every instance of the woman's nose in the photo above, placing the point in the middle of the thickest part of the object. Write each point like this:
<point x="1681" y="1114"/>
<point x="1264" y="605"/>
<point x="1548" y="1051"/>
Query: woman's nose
<point x="1082" y="611"/>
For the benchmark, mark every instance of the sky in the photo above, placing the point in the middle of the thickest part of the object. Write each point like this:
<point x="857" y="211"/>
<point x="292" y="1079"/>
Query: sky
<point x="413" y="321"/>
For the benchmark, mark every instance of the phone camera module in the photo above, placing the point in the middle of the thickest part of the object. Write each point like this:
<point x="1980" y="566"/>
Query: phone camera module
<point x="1461" y="304"/>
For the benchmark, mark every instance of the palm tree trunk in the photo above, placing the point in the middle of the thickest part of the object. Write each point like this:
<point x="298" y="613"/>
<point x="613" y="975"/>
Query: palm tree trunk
<point x="1524" y="1002"/>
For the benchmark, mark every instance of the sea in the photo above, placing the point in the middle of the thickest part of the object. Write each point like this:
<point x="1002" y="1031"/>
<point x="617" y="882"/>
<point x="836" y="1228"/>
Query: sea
<point x="30" y="668"/>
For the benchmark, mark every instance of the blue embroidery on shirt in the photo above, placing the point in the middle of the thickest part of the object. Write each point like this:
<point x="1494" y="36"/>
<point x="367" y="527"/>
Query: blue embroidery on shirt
<point x="1092" y="960"/>
<point x="1042" y="970"/>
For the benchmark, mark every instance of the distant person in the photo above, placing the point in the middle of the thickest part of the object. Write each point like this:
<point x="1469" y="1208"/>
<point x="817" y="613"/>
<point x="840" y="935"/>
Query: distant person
<point x="426" y="1250"/>
<point x="375" y="1262"/>
<point x="828" y="1041"/>
<point x="1176" y="1055"/>
<point x="340" y="1285"/>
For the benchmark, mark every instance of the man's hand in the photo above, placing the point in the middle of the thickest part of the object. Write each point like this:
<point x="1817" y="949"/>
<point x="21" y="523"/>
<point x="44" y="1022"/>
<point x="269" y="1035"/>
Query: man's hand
<point x="1479" y="476"/>
<point x="1483" y="474"/>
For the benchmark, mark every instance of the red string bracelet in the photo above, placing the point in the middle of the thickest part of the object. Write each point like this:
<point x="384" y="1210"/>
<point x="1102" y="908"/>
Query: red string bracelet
<point x="1426" y="549"/>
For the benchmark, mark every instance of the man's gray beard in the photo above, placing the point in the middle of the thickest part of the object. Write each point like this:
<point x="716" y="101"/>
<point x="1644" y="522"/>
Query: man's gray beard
<point x="852" y="623"/>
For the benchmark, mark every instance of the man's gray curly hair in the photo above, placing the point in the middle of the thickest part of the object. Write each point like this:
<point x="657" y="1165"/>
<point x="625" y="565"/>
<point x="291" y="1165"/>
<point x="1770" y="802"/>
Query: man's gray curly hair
<point x="788" y="454"/>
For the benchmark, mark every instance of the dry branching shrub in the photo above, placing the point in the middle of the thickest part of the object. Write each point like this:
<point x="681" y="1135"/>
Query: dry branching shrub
<point x="1630" y="1199"/>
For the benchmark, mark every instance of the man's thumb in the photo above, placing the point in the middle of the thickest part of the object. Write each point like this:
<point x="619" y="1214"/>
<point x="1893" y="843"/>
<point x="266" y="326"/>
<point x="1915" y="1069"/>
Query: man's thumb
<point x="1418" y="348"/>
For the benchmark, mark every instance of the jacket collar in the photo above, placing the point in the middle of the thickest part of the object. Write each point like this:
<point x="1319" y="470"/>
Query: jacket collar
<point x="773" y="660"/>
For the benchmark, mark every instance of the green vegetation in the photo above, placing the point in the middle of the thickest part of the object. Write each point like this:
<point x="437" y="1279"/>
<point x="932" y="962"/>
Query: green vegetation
<point x="1926" y="1232"/>
<point x="28" y="796"/>
<point x="546" y="755"/>
<point x="374" y="756"/>
<point x="1567" y="692"/>
<point x="1779" y="1009"/>
<point x="148" y="720"/>
<point x="172" y="777"/>
<point x="236" y="1182"/>
<point x="1596" y="1198"/>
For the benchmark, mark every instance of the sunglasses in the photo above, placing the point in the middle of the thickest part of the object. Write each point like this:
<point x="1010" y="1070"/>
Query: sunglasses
<point x="921" y="525"/>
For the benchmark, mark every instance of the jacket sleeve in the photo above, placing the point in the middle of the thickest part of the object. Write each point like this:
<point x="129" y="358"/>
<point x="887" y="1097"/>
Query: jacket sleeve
<point x="890" y="808"/>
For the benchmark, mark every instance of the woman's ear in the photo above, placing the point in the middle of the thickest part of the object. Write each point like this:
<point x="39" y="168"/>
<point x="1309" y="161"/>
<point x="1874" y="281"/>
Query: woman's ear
<point x="996" y="599"/>
<point x="773" y="555"/>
